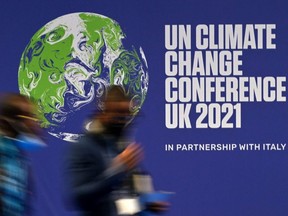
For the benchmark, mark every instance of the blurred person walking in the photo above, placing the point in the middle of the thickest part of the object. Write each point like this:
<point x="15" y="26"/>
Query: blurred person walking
<point x="100" y="166"/>
<point x="19" y="131"/>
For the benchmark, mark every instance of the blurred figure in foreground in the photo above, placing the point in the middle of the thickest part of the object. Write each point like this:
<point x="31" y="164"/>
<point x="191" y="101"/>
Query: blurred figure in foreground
<point x="101" y="169"/>
<point x="19" y="131"/>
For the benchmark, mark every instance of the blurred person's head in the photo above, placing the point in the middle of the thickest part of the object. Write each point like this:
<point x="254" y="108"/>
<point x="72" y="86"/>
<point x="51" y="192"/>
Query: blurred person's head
<point x="116" y="114"/>
<point x="18" y="115"/>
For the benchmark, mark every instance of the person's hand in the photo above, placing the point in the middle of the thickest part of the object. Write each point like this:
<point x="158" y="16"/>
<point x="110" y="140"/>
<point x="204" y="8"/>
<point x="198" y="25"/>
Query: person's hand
<point x="131" y="156"/>
<point x="2" y="173"/>
<point x="157" y="207"/>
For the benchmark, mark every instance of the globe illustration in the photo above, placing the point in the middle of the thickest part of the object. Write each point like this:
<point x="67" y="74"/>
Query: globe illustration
<point x="68" y="65"/>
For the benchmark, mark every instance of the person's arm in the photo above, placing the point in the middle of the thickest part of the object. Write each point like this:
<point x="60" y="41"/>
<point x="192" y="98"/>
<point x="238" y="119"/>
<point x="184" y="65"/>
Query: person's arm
<point x="105" y="179"/>
<point x="86" y="185"/>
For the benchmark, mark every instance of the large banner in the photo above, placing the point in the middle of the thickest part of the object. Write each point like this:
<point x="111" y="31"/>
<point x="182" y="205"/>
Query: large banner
<point x="209" y="86"/>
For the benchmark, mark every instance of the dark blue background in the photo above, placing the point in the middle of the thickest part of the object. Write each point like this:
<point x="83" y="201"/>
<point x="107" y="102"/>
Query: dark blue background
<point x="206" y="183"/>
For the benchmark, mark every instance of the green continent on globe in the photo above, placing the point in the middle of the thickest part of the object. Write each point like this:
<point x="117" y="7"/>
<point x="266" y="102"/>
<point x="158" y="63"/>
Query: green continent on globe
<point x="70" y="62"/>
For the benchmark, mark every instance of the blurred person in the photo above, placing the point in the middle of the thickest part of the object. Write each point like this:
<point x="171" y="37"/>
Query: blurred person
<point x="19" y="131"/>
<point x="100" y="166"/>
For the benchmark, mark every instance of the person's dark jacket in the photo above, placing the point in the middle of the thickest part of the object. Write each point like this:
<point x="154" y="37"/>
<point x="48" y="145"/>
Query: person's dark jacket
<point x="92" y="179"/>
